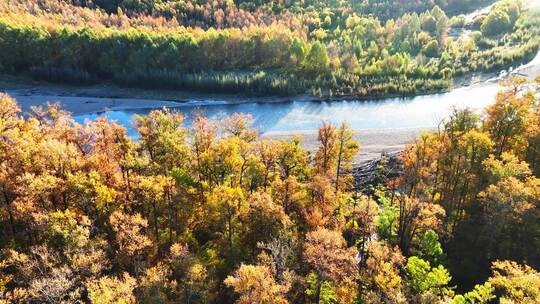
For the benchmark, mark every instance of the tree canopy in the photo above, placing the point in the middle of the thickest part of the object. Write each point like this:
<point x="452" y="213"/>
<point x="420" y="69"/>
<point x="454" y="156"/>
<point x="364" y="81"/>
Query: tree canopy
<point x="213" y="213"/>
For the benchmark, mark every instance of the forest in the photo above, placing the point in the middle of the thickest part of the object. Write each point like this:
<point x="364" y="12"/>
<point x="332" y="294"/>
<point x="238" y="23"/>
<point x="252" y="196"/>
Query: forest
<point x="213" y="213"/>
<point x="320" y="48"/>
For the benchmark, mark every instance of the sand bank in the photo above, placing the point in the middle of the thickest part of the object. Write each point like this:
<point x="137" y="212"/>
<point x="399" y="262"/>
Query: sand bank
<point x="372" y="141"/>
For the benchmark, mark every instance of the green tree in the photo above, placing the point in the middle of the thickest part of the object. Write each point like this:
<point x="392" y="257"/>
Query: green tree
<point x="317" y="60"/>
<point x="495" y="23"/>
<point x="298" y="51"/>
<point x="431" y="49"/>
<point x="422" y="278"/>
<point x="429" y="247"/>
<point x="481" y="294"/>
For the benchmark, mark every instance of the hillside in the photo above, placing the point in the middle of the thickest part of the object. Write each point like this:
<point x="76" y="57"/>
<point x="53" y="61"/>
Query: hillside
<point x="323" y="48"/>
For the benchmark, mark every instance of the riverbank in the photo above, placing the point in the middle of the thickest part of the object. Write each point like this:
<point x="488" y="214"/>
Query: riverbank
<point x="105" y="97"/>
<point x="100" y="98"/>
<point x="373" y="142"/>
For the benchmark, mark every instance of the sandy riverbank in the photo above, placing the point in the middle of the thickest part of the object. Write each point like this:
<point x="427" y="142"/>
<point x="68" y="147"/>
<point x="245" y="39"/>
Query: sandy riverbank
<point x="86" y="105"/>
<point x="103" y="97"/>
<point x="372" y="141"/>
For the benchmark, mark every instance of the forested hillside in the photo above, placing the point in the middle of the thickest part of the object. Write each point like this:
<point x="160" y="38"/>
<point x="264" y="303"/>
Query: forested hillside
<point x="189" y="11"/>
<point x="215" y="214"/>
<point x="324" y="48"/>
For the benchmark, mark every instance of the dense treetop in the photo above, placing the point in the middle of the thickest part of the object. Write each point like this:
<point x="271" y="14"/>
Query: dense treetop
<point x="214" y="213"/>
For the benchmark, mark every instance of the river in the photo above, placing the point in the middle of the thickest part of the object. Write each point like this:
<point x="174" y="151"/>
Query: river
<point x="304" y="116"/>
<point x="419" y="112"/>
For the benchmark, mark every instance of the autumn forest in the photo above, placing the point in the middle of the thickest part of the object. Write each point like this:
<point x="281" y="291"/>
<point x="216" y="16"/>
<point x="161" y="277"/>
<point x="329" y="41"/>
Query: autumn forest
<point x="203" y="210"/>
<point x="215" y="214"/>
<point x="322" y="48"/>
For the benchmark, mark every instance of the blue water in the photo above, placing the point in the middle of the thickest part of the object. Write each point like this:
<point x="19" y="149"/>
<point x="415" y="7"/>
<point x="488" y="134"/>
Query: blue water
<point x="296" y="116"/>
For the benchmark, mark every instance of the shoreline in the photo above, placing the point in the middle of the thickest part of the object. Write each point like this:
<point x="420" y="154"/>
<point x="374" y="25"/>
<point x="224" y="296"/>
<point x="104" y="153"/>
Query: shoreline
<point x="81" y="100"/>
<point x="99" y="99"/>
<point x="22" y="89"/>
<point x="373" y="142"/>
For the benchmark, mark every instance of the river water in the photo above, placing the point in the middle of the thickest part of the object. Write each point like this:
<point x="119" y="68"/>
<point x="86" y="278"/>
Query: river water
<point x="304" y="116"/>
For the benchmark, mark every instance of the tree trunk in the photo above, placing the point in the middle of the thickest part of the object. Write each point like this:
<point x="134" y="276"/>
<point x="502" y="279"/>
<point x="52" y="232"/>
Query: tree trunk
<point x="10" y="213"/>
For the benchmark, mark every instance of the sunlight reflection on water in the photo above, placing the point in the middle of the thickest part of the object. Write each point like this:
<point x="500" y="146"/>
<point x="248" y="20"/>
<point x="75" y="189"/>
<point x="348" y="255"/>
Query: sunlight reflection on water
<point x="296" y="116"/>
